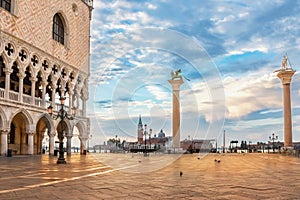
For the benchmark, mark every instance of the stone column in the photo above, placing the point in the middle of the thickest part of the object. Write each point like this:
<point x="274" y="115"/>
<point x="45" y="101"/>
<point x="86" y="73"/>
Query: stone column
<point x="33" y="81"/>
<point x="69" y="144"/>
<point x="83" y="144"/>
<point x="285" y="75"/>
<point x="21" y="78"/>
<point x="7" y="82"/>
<point x="53" y="86"/>
<point x="176" y="83"/>
<point x="3" y="149"/>
<point x="85" y="97"/>
<point x="77" y="101"/>
<point x="51" y="143"/>
<point x="30" y="143"/>
<point x="71" y="99"/>
<point x="44" y="84"/>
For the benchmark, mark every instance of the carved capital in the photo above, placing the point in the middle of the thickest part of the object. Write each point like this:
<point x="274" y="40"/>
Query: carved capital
<point x="4" y="132"/>
<point x="30" y="133"/>
<point x="7" y="71"/>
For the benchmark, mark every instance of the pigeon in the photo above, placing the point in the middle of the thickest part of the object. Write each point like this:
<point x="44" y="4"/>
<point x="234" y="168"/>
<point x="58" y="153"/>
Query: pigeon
<point x="180" y="173"/>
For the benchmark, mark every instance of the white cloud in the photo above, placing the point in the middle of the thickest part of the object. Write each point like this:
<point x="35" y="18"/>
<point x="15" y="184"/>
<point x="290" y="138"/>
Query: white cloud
<point x="251" y="92"/>
<point x="223" y="29"/>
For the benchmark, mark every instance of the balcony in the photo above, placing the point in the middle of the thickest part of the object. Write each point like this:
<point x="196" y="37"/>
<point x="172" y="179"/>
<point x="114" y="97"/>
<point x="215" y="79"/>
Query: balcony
<point x="26" y="100"/>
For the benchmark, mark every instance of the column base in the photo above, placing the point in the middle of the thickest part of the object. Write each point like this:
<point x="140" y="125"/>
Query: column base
<point x="61" y="161"/>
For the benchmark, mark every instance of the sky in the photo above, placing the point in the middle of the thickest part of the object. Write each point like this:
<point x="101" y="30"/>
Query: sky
<point x="227" y="51"/>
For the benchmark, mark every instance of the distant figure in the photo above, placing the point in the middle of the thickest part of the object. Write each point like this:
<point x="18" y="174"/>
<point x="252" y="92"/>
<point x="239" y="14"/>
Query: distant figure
<point x="180" y="173"/>
<point x="284" y="62"/>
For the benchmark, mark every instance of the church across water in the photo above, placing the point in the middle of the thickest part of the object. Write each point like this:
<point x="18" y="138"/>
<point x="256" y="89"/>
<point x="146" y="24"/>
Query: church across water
<point x="161" y="142"/>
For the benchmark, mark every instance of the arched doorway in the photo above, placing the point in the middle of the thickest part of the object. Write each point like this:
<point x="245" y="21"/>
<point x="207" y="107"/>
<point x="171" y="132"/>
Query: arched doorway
<point x="63" y="127"/>
<point x="75" y="140"/>
<point x="41" y="139"/>
<point x="17" y="138"/>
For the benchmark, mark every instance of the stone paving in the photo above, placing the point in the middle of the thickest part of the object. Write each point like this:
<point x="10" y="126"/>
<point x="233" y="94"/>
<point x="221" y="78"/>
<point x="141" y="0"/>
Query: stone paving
<point x="134" y="176"/>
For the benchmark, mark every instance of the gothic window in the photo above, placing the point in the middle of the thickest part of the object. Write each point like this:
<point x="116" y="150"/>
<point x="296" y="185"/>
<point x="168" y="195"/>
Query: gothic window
<point x="27" y="82"/>
<point x="2" y="74"/>
<point x="49" y="88"/>
<point x="39" y="86"/>
<point x="6" y="4"/>
<point x="14" y="78"/>
<point x="58" y="31"/>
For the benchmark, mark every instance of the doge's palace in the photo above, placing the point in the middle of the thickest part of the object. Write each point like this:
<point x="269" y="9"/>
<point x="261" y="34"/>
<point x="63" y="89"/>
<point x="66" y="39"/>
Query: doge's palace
<point x="44" y="55"/>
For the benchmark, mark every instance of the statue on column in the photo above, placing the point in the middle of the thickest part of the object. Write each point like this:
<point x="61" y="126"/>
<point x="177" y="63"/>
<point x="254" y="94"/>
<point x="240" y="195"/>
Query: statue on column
<point x="178" y="75"/>
<point x="284" y="62"/>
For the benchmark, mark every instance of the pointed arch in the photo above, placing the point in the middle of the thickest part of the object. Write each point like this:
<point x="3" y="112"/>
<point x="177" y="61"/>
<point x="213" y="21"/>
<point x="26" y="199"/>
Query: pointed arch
<point x="3" y="119"/>
<point x="81" y="128"/>
<point x="27" y="119"/>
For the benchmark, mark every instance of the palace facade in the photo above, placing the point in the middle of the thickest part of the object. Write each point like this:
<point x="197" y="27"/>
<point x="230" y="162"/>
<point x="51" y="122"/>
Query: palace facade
<point x="44" y="55"/>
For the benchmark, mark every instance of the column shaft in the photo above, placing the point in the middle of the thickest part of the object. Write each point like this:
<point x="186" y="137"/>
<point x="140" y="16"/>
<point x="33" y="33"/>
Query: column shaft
<point x="285" y="75"/>
<point x="176" y="83"/>
<point x="3" y="149"/>
<point x="51" y="144"/>
<point x="288" y="141"/>
<point x="30" y="143"/>
<point x="176" y="119"/>
<point x="69" y="145"/>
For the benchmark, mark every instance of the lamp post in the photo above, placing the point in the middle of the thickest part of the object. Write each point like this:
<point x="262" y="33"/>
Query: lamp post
<point x="150" y="132"/>
<point x="62" y="114"/>
<point x="273" y="138"/>
<point x="116" y="142"/>
<point x="145" y="133"/>
<point x="249" y="149"/>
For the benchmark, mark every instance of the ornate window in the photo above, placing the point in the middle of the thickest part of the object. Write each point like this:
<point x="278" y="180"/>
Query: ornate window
<point x="58" y="31"/>
<point x="6" y="4"/>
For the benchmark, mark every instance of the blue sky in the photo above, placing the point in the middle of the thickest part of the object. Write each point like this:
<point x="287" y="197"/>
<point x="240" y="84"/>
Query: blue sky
<point x="227" y="49"/>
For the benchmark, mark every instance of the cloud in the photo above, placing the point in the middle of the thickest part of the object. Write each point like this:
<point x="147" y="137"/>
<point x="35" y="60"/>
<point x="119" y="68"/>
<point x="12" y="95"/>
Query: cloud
<point x="228" y="49"/>
<point x="255" y="91"/>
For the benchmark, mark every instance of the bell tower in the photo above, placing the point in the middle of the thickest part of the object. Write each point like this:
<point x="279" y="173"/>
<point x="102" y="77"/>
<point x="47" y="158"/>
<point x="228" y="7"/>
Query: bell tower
<point x="140" y="131"/>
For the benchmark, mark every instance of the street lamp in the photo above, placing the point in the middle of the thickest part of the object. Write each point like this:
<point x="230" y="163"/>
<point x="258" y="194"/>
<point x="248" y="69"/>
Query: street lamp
<point x="116" y="142"/>
<point x="249" y="149"/>
<point x="62" y="114"/>
<point x="273" y="138"/>
<point x="145" y="133"/>
<point x="150" y="132"/>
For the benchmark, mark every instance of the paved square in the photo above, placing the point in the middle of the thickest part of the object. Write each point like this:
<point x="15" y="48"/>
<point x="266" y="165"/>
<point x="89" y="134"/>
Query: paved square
<point x="133" y="176"/>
